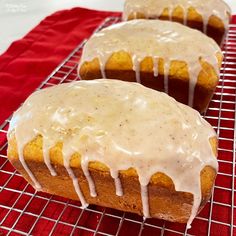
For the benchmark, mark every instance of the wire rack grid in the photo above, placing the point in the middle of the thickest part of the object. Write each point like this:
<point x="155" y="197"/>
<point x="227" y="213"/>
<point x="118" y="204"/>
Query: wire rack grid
<point x="24" y="211"/>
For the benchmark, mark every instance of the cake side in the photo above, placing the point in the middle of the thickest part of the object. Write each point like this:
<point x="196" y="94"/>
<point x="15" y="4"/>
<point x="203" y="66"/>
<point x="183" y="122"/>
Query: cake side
<point x="213" y="19"/>
<point x="165" y="202"/>
<point x="120" y="66"/>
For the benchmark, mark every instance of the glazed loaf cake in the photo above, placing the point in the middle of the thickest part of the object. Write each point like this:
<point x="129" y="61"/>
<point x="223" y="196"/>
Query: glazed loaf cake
<point x="116" y="144"/>
<point x="209" y="16"/>
<point x="162" y="55"/>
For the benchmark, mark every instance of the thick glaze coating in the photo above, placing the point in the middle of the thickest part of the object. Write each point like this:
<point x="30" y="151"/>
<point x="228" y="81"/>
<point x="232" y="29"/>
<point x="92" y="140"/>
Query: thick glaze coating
<point x="123" y="125"/>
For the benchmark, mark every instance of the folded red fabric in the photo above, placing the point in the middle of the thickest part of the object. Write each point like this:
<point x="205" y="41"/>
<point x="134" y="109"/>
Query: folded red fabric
<point x="28" y="61"/>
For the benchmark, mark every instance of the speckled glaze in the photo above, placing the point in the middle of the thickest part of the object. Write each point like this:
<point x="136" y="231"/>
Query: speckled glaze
<point x="122" y="125"/>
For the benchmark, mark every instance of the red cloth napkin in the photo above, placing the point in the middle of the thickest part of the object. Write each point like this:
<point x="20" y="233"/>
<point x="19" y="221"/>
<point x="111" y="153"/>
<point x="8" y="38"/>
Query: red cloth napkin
<point x="28" y="61"/>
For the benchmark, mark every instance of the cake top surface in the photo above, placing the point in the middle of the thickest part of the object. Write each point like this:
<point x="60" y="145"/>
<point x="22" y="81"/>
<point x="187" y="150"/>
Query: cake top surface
<point x="155" y="38"/>
<point x="118" y="123"/>
<point x="154" y="8"/>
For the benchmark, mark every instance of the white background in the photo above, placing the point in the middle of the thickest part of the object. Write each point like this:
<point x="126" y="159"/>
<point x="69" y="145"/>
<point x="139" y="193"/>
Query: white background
<point x="17" y="17"/>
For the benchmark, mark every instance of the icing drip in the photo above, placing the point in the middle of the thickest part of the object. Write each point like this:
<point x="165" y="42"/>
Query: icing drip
<point x="205" y="22"/>
<point x="192" y="83"/>
<point x="102" y="67"/>
<point x="170" y="13"/>
<point x="46" y="148"/>
<point x="166" y="74"/>
<point x="223" y="38"/>
<point x="136" y="68"/>
<point x="154" y="8"/>
<point x="196" y="204"/>
<point x="145" y="201"/>
<point x="92" y="189"/>
<point x="119" y="190"/>
<point x="155" y="66"/>
<point x="118" y="186"/>
<point x="144" y="194"/>
<point x="37" y="185"/>
<point x="185" y="20"/>
<point x="81" y="115"/>
<point x="20" y="148"/>
<point x="75" y="182"/>
<point x="157" y="39"/>
<point x="76" y="185"/>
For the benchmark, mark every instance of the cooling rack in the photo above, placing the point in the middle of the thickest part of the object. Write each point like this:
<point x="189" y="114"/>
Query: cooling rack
<point x="24" y="211"/>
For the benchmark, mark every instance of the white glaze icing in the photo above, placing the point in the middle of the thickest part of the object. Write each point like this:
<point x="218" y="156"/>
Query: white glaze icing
<point x="136" y="68"/>
<point x="155" y="66"/>
<point x="123" y="125"/>
<point x="154" y="9"/>
<point x="118" y="186"/>
<point x="66" y="160"/>
<point x="157" y="39"/>
<point x="193" y="71"/>
<point x="37" y="185"/>
<point x="102" y="66"/>
<point x="170" y="15"/>
<point x="84" y="165"/>
<point x="185" y="17"/>
<point x="46" y="146"/>
<point x="20" y="146"/>
<point x="145" y="201"/>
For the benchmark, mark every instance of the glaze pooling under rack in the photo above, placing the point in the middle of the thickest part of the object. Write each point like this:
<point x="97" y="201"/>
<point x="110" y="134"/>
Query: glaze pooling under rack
<point x="33" y="212"/>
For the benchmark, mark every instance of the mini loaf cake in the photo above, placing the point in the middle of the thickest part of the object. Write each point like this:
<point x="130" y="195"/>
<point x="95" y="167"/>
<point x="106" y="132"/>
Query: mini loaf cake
<point x="209" y="16"/>
<point x="116" y="144"/>
<point x="162" y="55"/>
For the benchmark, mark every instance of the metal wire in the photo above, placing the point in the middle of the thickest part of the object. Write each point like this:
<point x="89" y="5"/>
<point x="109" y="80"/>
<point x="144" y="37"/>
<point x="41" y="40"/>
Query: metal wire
<point x="17" y="198"/>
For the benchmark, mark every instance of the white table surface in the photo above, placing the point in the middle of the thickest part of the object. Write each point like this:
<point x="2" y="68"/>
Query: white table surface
<point x="17" y="17"/>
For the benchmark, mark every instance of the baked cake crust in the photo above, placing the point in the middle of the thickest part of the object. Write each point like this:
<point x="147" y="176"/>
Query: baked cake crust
<point x="165" y="203"/>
